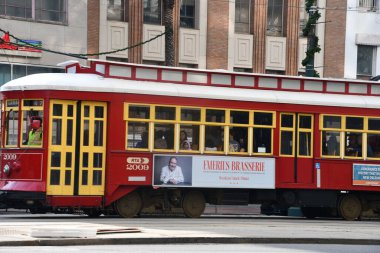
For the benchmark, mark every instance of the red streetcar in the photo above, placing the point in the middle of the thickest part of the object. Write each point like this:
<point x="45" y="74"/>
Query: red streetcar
<point x="124" y="138"/>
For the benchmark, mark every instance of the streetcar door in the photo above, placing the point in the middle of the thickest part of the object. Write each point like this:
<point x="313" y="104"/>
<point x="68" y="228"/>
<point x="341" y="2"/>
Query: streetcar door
<point x="76" y="163"/>
<point x="296" y="148"/>
<point x="92" y="148"/>
<point x="61" y="158"/>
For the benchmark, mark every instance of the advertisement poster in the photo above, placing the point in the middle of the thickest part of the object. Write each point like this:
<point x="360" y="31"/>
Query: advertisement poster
<point x="366" y="174"/>
<point x="213" y="171"/>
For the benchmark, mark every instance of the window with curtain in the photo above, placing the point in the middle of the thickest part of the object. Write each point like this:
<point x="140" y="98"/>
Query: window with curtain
<point x="152" y="12"/>
<point x="41" y="10"/>
<point x="275" y="17"/>
<point x="242" y="16"/>
<point x="116" y="10"/>
<point x="187" y="14"/>
<point x="365" y="60"/>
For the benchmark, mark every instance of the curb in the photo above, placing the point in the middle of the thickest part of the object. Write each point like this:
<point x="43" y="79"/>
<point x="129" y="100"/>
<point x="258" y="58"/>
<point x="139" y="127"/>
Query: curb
<point x="185" y="240"/>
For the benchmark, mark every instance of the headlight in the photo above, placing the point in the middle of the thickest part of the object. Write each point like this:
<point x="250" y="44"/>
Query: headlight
<point x="6" y="169"/>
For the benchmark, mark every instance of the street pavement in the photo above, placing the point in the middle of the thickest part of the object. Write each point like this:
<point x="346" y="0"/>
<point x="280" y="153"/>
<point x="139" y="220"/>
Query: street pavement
<point x="249" y="229"/>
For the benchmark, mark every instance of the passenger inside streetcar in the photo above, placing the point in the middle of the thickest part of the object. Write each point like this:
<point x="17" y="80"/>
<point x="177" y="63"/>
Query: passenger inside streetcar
<point x="184" y="142"/>
<point x="354" y="148"/>
<point x="160" y="142"/>
<point x="333" y="145"/>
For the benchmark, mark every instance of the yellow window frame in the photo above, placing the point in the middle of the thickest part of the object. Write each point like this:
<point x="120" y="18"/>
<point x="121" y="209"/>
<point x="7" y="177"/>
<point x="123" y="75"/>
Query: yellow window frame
<point x="305" y="130"/>
<point x="255" y="126"/>
<point x="7" y="110"/>
<point x="287" y="129"/>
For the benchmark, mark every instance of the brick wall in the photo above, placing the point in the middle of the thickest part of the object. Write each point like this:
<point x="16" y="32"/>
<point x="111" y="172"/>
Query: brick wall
<point x="93" y="23"/>
<point x="335" y="39"/>
<point x="217" y="34"/>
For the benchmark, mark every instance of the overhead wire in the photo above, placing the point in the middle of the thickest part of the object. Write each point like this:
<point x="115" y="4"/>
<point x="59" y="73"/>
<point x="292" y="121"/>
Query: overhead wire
<point x="76" y="55"/>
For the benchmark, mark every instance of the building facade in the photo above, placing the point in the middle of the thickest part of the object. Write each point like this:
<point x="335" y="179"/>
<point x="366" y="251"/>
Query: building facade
<point x="242" y="35"/>
<point x="262" y="36"/>
<point x="55" y="25"/>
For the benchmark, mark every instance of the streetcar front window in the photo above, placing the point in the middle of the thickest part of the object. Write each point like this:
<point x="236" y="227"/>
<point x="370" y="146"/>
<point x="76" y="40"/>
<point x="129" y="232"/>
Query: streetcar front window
<point x="32" y="119"/>
<point x="12" y="116"/>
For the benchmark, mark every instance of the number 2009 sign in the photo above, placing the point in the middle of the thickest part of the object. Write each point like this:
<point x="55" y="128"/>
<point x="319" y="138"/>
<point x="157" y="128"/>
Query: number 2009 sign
<point x="8" y="157"/>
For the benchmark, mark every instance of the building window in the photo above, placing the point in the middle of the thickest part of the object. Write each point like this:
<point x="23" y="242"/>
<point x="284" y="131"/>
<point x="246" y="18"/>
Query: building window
<point x="304" y="16"/>
<point x="369" y="5"/>
<point x="40" y="10"/>
<point x="116" y="10"/>
<point x="242" y="16"/>
<point x="365" y="61"/>
<point x="5" y="73"/>
<point x="275" y="16"/>
<point x="152" y="12"/>
<point x="12" y="71"/>
<point x="187" y="13"/>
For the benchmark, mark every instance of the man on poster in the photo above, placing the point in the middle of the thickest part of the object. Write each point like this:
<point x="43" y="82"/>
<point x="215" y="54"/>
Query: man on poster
<point x="172" y="174"/>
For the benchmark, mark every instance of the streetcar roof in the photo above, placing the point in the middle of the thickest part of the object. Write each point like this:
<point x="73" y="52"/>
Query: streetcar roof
<point x="96" y="83"/>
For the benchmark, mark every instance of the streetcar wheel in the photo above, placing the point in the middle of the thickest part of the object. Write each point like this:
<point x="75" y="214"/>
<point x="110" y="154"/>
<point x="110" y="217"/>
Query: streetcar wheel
<point x="129" y="205"/>
<point x="350" y="207"/>
<point x="193" y="204"/>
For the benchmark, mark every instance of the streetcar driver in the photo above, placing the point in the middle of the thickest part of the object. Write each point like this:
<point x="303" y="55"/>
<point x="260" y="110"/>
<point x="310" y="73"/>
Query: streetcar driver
<point x="35" y="134"/>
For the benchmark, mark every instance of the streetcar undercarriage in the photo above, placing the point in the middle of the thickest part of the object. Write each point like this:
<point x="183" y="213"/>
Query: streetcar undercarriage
<point x="192" y="202"/>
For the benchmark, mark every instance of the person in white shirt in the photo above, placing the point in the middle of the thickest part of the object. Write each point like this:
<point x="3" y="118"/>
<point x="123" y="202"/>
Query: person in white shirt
<point x="172" y="174"/>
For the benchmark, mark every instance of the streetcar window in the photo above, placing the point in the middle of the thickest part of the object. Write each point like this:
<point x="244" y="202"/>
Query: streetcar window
<point x="98" y="132"/>
<point x="214" y="138"/>
<point x="189" y="137"/>
<point x="12" y="128"/>
<point x="139" y="112"/>
<point x="54" y="177"/>
<point x="165" y="113"/>
<point x="287" y="134"/>
<point x="262" y="132"/>
<point x="330" y="143"/>
<point x="305" y="122"/>
<point x="190" y="114"/>
<point x="32" y="119"/>
<point x="213" y="115"/>
<point x="332" y="122"/>
<point x="138" y="131"/>
<point x="374" y="124"/>
<point x="138" y="135"/>
<point x="373" y="145"/>
<point x="56" y="134"/>
<point x="354" y="123"/>
<point x="189" y="133"/>
<point x="238" y="135"/>
<point x="286" y="142"/>
<point x="239" y="117"/>
<point x="263" y="118"/>
<point x="57" y="110"/>
<point x="238" y="139"/>
<point x="86" y="131"/>
<point x="163" y="136"/>
<point x="287" y="120"/>
<point x="262" y="140"/>
<point x="353" y="144"/>
<point x="11" y="122"/>
<point x="305" y="137"/>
